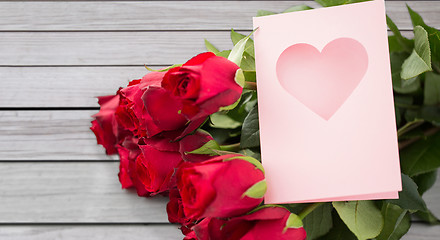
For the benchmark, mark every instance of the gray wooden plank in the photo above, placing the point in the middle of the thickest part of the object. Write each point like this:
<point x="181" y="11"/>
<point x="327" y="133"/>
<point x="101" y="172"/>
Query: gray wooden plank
<point x="419" y="231"/>
<point x="152" y="232"/>
<point x="432" y="197"/>
<point x="76" y="86"/>
<point x="62" y="86"/>
<point x="114" y="232"/>
<point x="165" y="15"/>
<point x="48" y="135"/>
<point x="105" y="48"/>
<point x="65" y="135"/>
<point x="72" y="193"/>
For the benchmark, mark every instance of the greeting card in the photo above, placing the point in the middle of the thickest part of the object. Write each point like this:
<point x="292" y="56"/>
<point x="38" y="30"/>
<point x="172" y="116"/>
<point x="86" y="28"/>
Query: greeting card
<point x="325" y="100"/>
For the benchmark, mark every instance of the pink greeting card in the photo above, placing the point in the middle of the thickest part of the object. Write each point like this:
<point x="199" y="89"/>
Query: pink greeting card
<point x="326" y="111"/>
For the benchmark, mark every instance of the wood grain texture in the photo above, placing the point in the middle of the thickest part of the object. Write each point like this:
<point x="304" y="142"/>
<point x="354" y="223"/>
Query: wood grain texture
<point x="114" y="232"/>
<point x="64" y="135"/>
<point x="166" y="15"/>
<point x="72" y="193"/>
<point x="48" y="135"/>
<point x="77" y="86"/>
<point x="419" y="231"/>
<point x="90" y="48"/>
<point x="432" y="197"/>
<point x="105" y="48"/>
<point x="151" y="232"/>
<point x="62" y="86"/>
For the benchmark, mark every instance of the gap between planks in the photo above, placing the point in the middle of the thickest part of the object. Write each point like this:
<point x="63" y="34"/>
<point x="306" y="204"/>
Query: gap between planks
<point x="165" y="15"/>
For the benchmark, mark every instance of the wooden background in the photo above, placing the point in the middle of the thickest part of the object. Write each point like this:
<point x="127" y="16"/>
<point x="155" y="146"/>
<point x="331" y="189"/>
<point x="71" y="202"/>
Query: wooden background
<point x="55" y="56"/>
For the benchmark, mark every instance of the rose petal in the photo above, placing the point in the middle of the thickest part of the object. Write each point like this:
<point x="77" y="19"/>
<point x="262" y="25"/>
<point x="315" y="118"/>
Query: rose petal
<point x="163" y="108"/>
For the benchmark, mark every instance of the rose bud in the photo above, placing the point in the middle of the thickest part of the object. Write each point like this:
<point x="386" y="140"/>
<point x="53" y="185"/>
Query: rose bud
<point x="265" y="223"/>
<point x="224" y="186"/>
<point x="204" y="84"/>
<point x="105" y="127"/>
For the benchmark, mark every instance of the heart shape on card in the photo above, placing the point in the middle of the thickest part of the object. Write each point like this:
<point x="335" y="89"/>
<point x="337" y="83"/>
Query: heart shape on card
<point x="322" y="81"/>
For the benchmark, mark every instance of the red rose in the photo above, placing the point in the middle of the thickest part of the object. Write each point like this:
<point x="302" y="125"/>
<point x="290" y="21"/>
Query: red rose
<point x="203" y="84"/>
<point x="160" y="157"/>
<point x="164" y="109"/>
<point x="155" y="166"/>
<point x="220" y="187"/>
<point x="266" y="223"/>
<point x="131" y="112"/>
<point x="105" y="127"/>
<point x="190" y="236"/>
<point x="128" y="152"/>
<point x="193" y="142"/>
<point x="176" y="214"/>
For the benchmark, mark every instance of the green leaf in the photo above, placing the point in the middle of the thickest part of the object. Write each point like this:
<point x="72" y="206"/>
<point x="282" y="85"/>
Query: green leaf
<point x="163" y="69"/>
<point x="247" y="102"/>
<point x="339" y="231"/>
<point x="224" y="53"/>
<point x="422" y="156"/>
<point x="361" y="217"/>
<point x="247" y="62"/>
<point x="329" y="3"/>
<point x="397" y="222"/>
<point x="250" y="131"/>
<point x="420" y="59"/>
<point x="400" y="85"/>
<point x="236" y="37"/>
<point x="222" y="120"/>
<point x="208" y="148"/>
<point x="427" y="113"/>
<point x="293" y="222"/>
<point x="257" y="190"/>
<point x="250" y="76"/>
<point x="252" y="160"/>
<point x="404" y="44"/>
<point x="409" y="197"/>
<point x="434" y="34"/>
<point x="428" y="217"/>
<point x="211" y="47"/>
<point x="425" y="181"/>
<point x="319" y="221"/>
<point x="297" y="8"/>
<point x="432" y="89"/>
<point x="394" y="45"/>
<point x="261" y="13"/>
<point x="398" y="115"/>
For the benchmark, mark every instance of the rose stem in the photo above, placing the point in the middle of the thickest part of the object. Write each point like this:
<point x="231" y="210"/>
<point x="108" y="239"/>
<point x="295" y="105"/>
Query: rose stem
<point x="250" y="85"/>
<point x="231" y="147"/>
<point x="309" y="209"/>
<point x="427" y="133"/>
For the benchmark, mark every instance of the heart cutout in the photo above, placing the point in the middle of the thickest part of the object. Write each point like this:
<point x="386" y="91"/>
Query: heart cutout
<point x="322" y="81"/>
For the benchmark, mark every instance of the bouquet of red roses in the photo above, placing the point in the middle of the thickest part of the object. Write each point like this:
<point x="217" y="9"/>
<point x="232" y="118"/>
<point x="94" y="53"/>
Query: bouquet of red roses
<point x="190" y="132"/>
<point x="154" y="124"/>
